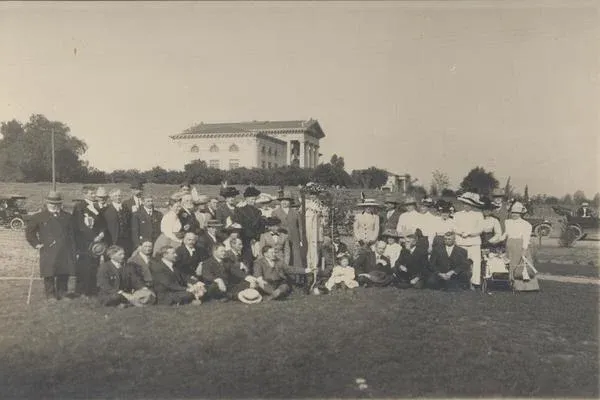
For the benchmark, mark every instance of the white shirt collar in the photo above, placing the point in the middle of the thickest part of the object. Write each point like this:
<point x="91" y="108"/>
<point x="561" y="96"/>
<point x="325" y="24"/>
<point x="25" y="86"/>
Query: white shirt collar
<point x="144" y="257"/>
<point x="190" y="250"/>
<point x="117" y="206"/>
<point x="116" y="264"/>
<point x="449" y="249"/>
<point x="168" y="264"/>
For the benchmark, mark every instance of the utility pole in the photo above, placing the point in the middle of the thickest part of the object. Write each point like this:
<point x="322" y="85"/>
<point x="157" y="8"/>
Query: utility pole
<point x="53" y="161"/>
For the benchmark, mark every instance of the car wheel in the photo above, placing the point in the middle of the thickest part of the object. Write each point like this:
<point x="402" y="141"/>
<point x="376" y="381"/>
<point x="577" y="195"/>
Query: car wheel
<point x="17" y="224"/>
<point x="575" y="232"/>
<point x="543" y="230"/>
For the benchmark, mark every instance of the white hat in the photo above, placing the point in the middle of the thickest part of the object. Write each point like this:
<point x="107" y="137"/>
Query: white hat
<point x="368" y="203"/>
<point x="471" y="199"/>
<point x="101" y="192"/>
<point x="264" y="198"/>
<point x="585" y="204"/>
<point x="518" y="208"/>
<point x="249" y="296"/>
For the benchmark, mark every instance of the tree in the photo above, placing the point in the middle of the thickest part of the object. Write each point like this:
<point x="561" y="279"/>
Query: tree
<point x="551" y="200"/>
<point x="417" y="191"/>
<point x="578" y="197"/>
<point x="328" y="174"/>
<point x="480" y="181"/>
<point x="596" y="200"/>
<point x="25" y="151"/>
<point x="370" y="178"/>
<point x="508" y="189"/>
<point x="526" y="194"/>
<point x="448" y="193"/>
<point x="337" y="162"/>
<point x="567" y="199"/>
<point x="439" y="182"/>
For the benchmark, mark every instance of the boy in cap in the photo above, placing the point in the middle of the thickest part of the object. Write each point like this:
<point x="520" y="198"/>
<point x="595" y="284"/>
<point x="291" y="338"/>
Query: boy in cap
<point x="277" y="239"/>
<point x="51" y="232"/>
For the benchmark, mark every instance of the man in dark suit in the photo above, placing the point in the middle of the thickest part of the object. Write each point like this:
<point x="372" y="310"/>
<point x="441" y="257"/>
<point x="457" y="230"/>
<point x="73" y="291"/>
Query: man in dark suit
<point x="208" y="239"/>
<point x="412" y="267"/>
<point x="221" y="277"/>
<point x="388" y="219"/>
<point x="87" y="202"/>
<point x="141" y="261"/>
<point x="135" y="202"/>
<point x="90" y="227"/>
<point x="290" y="221"/>
<point x="145" y="222"/>
<point x="187" y="215"/>
<point x="226" y="210"/>
<point x="118" y="222"/>
<point x="372" y="267"/>
<point x="211" y="207"/>
<point x="450" y="266"/>
<point x="121" y="284"/>
<point x="188" y="256"/>
<point x="51" y="232"/>
<point x="171" y="286"/>
<point x="234" y="255"/>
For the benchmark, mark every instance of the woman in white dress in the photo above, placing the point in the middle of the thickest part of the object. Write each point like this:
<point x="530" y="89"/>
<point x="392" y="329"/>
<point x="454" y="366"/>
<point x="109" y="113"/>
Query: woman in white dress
<point x="170" y="228"/>
<point x="366" y="222"/>
<point x="316" y="213"/>
<point x="468" y="225"/>
<point x="518" y="235"/>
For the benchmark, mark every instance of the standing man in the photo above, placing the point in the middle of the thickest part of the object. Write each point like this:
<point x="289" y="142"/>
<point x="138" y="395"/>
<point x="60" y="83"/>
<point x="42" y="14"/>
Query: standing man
<point x="250" y="218"/>
<point x="211" y="207"/>
<point x="468" y="225"/>
<point x="391" y="214"/>
<point x="290" y="221"/>
<point x="135" y="202"/>
<point x="51" y="232"/>
<point x="187" y="215"/>
<point x="501" y="212"/>
<point x="145" y="222"/>
<point x="226" y="210"/>
<point x="118" y="222"/>
<point x="87" y="202"/>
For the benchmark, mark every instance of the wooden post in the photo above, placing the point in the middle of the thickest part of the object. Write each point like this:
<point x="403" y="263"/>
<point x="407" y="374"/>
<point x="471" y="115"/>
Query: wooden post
<point x="303" y="226"/>
<point x="53" y="161"/>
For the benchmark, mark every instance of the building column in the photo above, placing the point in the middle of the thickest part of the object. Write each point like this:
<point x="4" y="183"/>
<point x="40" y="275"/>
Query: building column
<point x="310" y="155"/>
<point x="316" y="155"/>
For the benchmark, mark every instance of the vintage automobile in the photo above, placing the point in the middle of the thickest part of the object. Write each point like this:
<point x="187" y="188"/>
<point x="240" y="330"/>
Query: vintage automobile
<point x="12" y="213"/>
<point x="578" y="227"/>
<point x="541" y="227"/>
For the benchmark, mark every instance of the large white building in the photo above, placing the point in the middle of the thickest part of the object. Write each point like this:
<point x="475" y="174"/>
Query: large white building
<point x="256" y="144"/>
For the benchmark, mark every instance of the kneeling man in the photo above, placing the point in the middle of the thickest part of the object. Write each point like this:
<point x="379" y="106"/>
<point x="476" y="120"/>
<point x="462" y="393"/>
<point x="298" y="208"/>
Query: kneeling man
<point x="450" y="266"/>
<point x="173" y="287"/>
<point x="121" y="284"/>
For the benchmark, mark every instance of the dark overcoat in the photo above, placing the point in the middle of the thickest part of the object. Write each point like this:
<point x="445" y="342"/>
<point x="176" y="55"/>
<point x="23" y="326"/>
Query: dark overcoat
<point x="144" y="226"/>
<point x="56" y="234"/>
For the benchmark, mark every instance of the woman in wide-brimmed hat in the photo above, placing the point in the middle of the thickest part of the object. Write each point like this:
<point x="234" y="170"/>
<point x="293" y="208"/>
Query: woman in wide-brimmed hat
<point x="250" y="218"/>
<point x="468" y="226"/>
<point x="170" y="227"/>
<point x="518" y="235"/>
<point x="226" y="210"/>
<point x="366" y="222"/>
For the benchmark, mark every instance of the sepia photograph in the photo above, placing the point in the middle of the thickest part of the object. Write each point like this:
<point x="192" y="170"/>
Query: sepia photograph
<point x="299" y="199"/>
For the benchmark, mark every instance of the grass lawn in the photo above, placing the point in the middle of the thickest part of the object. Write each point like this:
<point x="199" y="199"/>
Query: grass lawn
<point x="404" y="343"/>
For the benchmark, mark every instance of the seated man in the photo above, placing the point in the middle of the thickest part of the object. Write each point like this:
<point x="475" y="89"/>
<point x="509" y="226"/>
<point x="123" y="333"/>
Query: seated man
<point x="224" y="279"/>
<point x="450" y="266"/>
<point x="141" y="261"/>
<point x="372" y="267"/>
<point x="234" y="255"/>
<point x="188" y="256"/>
<point x="271" y="274"/>
<point x="411" y="269"/>
<point x="208" y="239"/>
<point x="120" y="284"/>
<point x="171" y="286"/>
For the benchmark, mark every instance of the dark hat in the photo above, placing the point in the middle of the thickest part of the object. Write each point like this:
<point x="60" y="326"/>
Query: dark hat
<point x="272" y="221"/>
<point x="380" y="278"/>
<point x="137" y="185"/>
<point x="390" y="233"/>
<point x="214" y="223"/>
<point x="229" y="191"/>
<point x="443" y="205"/>
<point x="251" y="191"/>
<point x="286" y="195"/>
<point x="54" y="197"/>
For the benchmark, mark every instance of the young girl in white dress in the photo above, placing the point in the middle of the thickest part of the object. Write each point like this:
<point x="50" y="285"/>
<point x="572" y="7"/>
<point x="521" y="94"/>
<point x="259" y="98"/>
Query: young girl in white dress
<point x="343" y="274"/>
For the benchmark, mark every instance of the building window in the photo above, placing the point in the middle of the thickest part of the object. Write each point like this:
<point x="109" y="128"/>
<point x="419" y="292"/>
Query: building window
<point x="269" y="152"/>
<point x="263" y="150"/>
<point x="233" y="148"/>
<point x="214" y="148"/>
<point x="263" y="165"/>
<point x="269" y="165"/>
<point x="214" y="164"/>
<point x="194" y="149"/>
<point x="233" y="164"/>
<point x="275" y="153"/>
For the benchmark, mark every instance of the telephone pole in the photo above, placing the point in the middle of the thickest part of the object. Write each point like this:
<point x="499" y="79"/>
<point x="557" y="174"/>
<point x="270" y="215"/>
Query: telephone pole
<point x="53" y="161"/>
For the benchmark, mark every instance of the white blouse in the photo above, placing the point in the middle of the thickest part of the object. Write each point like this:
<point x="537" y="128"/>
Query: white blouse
<point x="471" y="224"/>
<point x="518" y="229"/>
<point x="443" y="225"/>
<point x="170" y="225"/>
<point x="408" y="221"/>
<point x="491" y="224"/>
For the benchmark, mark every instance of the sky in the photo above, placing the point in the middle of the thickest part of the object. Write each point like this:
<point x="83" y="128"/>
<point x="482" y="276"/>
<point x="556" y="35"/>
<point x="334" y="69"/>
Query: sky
<point x="410" y="87"/>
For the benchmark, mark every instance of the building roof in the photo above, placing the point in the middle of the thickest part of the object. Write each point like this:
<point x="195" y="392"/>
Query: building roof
<point x="310" y="127"/>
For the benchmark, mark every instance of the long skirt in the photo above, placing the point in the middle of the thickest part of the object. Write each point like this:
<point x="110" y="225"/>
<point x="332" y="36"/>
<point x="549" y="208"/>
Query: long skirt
<point x="162" y="241"/>
<point x="514" y="252"/>
<point x="474" y="254"/>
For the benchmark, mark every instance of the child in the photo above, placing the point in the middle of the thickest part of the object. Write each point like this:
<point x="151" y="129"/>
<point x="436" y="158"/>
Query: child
<point x="342" y="275"/>
<point x="393" y="248"/>
<point x="275" y="238"/>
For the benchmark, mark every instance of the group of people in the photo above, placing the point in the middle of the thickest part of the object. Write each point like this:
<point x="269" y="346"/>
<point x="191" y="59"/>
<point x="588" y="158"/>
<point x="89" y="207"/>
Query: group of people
<point x="126" y="252"/>
<point x="446" y="246"/>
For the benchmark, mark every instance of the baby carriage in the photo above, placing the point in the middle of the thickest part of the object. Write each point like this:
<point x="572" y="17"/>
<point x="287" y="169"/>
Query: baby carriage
<point x="494" y="271"/>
